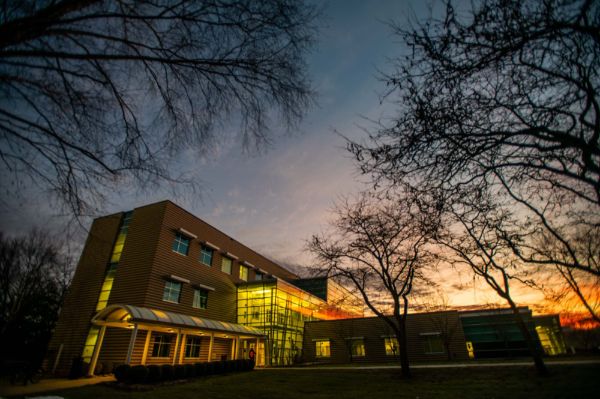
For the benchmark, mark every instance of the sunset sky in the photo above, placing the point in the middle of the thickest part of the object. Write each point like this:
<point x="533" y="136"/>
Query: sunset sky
<point x="274" y="201"/>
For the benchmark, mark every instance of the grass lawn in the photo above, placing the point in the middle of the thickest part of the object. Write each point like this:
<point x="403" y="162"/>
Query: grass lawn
<point x="568" y="381"/>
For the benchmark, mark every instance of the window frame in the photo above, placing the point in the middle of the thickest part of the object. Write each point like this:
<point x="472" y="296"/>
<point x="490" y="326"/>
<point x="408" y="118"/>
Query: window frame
<point x="181" y="240"/>
<point x="167" y="291"/>
<point x="247" y="272"/>
<point x="319" y="349"/>
<point x="428" y="347"/>
<point x="391" y="341"/>
<point x="224" y="259"/>
<point x="203" y="253"/>
<point x="192" y="347"/>
<point x="202" y="299"/>
<point x="354" y="345"/>
<point x="161" y="341"/>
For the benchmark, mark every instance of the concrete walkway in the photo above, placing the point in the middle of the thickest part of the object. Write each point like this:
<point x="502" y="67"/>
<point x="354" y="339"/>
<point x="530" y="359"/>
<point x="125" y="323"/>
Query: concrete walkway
<point x="435" y="366"/>
<point x="51" y="384"/>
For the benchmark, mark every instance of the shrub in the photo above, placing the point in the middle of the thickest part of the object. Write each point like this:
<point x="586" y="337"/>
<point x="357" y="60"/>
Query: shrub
<point x="138" y="374"/>
<point x="122" y="372"/>
<point x="108" y="367"/>
<point x="167" y="372"/>
<point x="154" y="373"/>
<point x="219" y="367"/>
<point x="190" y="371"/>
<point x="179" y="371"/>
<point x="209" y="368"/>
<point x="200" y="369"/>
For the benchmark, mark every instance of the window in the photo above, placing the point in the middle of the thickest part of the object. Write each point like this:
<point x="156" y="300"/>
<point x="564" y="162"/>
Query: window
<point x="391" y="346"/>
<point x="192" y="347"/>
<point x="172" y="291"/>
<point x="200" y="298"/>
<point x="258" y="276"/>
<point x="226" y="265"/>
<point x="243" y="273"/>
<point x="181" y="245"/>
<point x="162" y="346"/>
<point x="322" y="348"/>
<point x="433" y="343"/>
<point x="357" y="347"/>
<point x="206" y="255"/>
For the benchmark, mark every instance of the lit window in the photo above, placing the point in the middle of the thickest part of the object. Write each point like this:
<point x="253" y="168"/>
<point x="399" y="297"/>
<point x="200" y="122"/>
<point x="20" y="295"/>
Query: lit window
<point x="258" y="276"/>
<point x="357" y="347"/>
<point x="106" y="286"/>
<point x="322" y="348"/>
<point x="181" y="244"/>
<point x="206" y="255"/>
<point x="192" y="347"/>
<point x="391" y="346"/>
<point x="433" y="343"/>
<point x="172" y="291"/>
<point x="226" y="265"/>
<point x="162" y="346"/>
<point x="200" y="298"/>
<point x="243" y="273"/>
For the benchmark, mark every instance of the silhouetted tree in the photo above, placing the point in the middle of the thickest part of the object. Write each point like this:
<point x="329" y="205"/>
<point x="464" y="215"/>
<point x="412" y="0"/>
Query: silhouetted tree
<point x="107" y="92"/>
<point x="34" y="276"/>
<point x="501" y="102"/>
<point x="378" y="248"/>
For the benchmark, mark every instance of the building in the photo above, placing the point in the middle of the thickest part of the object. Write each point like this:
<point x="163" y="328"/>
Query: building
<point x="435" y="336"/>
<point x="158" y="285"/>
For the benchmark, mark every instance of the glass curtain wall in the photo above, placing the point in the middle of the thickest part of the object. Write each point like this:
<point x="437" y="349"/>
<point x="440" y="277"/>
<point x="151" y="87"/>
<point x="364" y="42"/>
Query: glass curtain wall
<point x="280" y="310"/>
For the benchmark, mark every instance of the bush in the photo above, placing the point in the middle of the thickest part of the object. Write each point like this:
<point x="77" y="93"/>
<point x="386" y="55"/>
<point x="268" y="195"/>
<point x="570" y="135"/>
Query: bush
<point x="138" y="374"/>
<point x="209" y="368"/>
<point x="122" y="372"/>
<point x="190" y="371"/>
<point x="179" y="371"/>
<point x="167" y="372"/>
<point x="154" y="373"/>
<point x="108" y="367"/>
<point x="219" y="367"/>
<point x="200" y="369"/>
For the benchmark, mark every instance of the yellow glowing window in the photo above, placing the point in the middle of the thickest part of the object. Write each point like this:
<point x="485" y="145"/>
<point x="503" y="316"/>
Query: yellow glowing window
<point x="243" y="273"/>
<point x="90" y="343"/>
<point x="226" y="265"/>
<point x="391" y="346"/>
<point x="357" y="347"/>
<point x="322" y="348"/>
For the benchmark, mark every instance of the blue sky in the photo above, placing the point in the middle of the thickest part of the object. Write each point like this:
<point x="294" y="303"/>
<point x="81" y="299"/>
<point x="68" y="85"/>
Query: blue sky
<point x="274" y="201"/>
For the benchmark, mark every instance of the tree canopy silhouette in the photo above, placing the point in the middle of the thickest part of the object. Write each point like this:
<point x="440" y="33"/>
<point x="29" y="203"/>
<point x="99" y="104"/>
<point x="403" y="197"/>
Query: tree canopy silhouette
<point x="106" y="92"/>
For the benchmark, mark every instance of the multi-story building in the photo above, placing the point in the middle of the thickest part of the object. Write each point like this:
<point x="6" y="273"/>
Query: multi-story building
<point x="158" y="285"/>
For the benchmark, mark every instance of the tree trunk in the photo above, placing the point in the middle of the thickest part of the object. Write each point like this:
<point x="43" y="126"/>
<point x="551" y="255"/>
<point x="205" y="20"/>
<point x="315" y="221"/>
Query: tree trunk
<point x="534" y="349"/>
<point x="404" y="365"/>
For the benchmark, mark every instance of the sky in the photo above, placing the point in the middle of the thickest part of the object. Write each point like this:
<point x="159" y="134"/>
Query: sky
<point x="274" y="201"/>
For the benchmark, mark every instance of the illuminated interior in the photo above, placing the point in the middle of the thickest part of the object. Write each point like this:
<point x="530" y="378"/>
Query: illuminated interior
<point x="107" y="284"/>
<point x="552" y="341"/>
<point x="280" y="309"/>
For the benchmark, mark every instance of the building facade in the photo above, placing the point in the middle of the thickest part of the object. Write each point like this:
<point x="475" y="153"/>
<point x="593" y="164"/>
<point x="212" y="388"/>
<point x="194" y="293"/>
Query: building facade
<point x="159" y="285"/>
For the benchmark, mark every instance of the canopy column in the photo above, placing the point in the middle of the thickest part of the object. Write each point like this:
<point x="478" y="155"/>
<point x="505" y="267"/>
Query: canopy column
<point x="96" y="353"/>
<point x="131" y="343"/>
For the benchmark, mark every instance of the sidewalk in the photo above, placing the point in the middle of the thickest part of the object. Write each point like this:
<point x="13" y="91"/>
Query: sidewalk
<point x="436" y="366"/>
<point x="51" y="384"/>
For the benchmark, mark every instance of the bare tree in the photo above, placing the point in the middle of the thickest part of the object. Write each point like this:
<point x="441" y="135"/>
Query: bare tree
<point x="437" y="304"/>
<point x="378" y="247"/>
<point x="502" y="100"/>
<point x="34" y="276"/>
<point x="477" y="239"/>
<point x="106" y="92"/>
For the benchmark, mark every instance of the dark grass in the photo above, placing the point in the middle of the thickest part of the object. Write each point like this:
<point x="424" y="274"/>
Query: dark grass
<point x="568" y="381"/>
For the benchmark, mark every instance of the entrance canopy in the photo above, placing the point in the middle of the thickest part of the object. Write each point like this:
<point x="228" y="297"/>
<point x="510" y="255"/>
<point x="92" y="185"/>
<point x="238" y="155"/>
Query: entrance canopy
<point x="125" y="316"/>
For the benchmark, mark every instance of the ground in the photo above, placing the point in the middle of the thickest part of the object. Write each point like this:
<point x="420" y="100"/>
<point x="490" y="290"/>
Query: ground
<point x="565" y="381"/>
